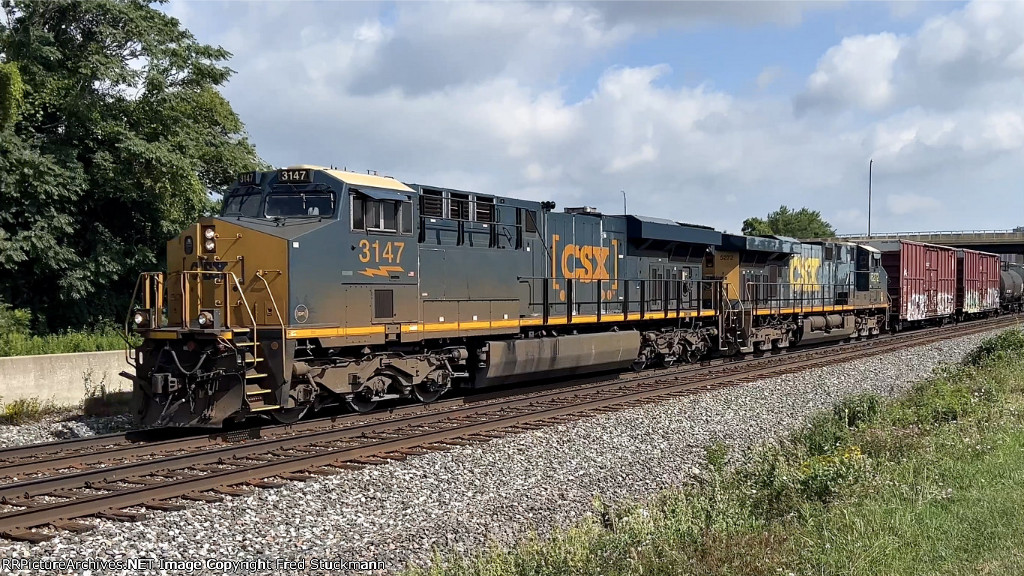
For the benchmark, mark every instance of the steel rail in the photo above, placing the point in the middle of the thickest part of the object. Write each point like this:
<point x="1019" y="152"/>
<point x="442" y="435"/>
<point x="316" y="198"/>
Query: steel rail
<point x="352" y="445"/>
<point x="40" y="459"/>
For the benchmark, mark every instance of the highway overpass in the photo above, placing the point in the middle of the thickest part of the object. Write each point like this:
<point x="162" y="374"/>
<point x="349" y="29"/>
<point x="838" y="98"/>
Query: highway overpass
<point x="997" y="241"/>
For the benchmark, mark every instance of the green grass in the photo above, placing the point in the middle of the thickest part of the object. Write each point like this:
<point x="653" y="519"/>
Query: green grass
<point x="932" y="483"/>
<point x="956" y="509"/>
<point x="96" y="340"/>
<point x="17" y="339"/>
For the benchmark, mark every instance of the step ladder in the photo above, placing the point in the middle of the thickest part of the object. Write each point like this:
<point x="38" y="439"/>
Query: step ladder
<point x="258" y="397"/>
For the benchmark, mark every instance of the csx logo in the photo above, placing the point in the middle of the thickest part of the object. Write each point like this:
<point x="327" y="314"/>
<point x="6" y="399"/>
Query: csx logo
<point x="803" y="272"/>
<point x="211" y="266"/>
<point x="585" y="263"/>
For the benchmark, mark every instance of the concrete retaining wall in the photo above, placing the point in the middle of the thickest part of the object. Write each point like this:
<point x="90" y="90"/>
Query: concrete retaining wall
<point x="61" y="378"/>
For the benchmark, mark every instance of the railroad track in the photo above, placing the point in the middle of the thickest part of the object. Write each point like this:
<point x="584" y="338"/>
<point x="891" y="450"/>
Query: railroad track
<point x="52" y="486"/>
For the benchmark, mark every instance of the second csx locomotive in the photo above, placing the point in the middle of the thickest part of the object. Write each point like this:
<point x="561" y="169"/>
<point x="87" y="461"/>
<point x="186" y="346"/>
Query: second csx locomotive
<point x="317" y="286"/>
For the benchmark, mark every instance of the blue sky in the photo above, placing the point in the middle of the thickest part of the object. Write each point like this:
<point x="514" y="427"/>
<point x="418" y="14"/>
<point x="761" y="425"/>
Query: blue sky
<point x="702" y="112"/>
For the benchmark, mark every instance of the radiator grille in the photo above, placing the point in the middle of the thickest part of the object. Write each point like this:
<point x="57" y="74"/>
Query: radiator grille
<point x="383" y="304"/>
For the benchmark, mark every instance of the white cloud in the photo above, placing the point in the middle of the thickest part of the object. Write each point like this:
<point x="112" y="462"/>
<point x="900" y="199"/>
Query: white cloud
<point x="473" y="96"/>
<point x="912" y="204"/>
<point x="768" y="76"/>
<point x="970" y="56"/>
<point x="858" y="72"/>
<point x="659" y="14"/>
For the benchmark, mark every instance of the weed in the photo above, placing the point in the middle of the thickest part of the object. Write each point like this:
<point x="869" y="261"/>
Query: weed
<point x="716" y="454"/>
<point x="822" y="478"/>
<point x="17" y="339"/>
<point x="99" y="401"/>
<point x="823" y="433"/>
<point x="25" y="410"/>
<point x="1009" y="343"/>
<point x="769" y="477"/>
<point x="858" y="410"/>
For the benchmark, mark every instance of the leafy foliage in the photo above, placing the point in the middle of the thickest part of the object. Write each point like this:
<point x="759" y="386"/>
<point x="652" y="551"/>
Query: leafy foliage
<point x="802" y="223"/>
<point x="16" y="338"/>
<point x="11" y="93"/>
<point x="118" y="144"/>
<point x="1008" y="343"/>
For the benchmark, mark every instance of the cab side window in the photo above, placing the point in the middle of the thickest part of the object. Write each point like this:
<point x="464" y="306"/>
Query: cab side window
<point x="389" y="216"/>
<point x="358" y="212"/>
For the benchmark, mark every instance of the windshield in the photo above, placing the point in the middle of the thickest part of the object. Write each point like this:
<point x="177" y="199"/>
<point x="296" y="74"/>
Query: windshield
<point x="242" y="204"/>
<point x="300" y="204"/>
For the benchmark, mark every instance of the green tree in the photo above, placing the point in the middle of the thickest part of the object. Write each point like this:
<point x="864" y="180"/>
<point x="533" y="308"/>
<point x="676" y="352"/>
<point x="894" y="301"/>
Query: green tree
<point x="802" y="223"/>
<point x="117" y="141"/>
<point x="11" y="93"/>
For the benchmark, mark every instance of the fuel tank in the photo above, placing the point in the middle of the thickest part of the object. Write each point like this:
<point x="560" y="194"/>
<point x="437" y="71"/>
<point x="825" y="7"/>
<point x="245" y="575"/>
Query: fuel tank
<point x="511" y="361"/>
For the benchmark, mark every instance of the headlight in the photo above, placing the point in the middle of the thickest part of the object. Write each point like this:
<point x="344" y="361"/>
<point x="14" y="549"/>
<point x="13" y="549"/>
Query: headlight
<point x="210" y="234"/>
<point x="139" y="319"/>
<point x="205" y="319"/>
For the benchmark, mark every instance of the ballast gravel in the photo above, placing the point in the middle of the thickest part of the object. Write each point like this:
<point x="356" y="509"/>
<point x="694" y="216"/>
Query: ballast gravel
<point x="62" y="426"/>
<point x="460" y="500"/>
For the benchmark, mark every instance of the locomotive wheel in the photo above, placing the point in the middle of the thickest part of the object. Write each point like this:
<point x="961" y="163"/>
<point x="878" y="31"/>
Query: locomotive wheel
<point x="359" y="403"/>
<point x="432" y="387"/>
<point x="426" y="394"/>
<point x="289" y="415"/>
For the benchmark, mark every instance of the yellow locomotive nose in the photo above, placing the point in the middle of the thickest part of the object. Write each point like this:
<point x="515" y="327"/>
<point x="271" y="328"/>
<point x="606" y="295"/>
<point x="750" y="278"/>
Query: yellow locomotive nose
<point x="222" y="265"/>
<point x="213" y="333"/>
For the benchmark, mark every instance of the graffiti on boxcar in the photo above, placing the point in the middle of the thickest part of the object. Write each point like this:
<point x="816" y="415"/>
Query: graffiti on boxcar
<point x="972" y="302"/>
<point x="992" y="299"/>
<point x="923" y="306"/>
<point x="945" y="304"/>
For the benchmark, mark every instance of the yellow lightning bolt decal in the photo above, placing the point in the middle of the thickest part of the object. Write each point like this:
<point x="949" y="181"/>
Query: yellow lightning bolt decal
<point x="382" y="271"/>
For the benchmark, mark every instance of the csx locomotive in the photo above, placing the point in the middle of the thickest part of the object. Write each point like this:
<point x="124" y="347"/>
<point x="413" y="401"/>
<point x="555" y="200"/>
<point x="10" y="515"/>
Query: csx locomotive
<point x="317" y="286"/>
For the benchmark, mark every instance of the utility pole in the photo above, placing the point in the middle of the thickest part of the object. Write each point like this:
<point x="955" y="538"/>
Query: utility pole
<point x="624" y="202"/>
<point x="870" y="164"/>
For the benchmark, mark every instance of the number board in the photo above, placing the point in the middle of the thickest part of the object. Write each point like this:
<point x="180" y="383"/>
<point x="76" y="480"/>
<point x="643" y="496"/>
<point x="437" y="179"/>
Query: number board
<point x="249" y="178"/>
<point x="294" y="176"/>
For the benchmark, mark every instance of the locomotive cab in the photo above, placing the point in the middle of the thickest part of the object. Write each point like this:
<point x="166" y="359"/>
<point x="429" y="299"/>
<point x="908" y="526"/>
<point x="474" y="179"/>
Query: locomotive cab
<point x="219" y="328"/>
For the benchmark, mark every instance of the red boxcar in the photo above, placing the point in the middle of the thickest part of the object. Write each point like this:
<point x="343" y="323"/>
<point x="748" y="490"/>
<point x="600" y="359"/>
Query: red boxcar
<point x="977" y="282"/>
<point x="922" y="280"/>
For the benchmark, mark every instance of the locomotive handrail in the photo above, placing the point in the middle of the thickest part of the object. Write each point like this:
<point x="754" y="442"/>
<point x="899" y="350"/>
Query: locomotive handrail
<point x="273" y="302"/>
<point x="775" y="303"/>
<point x="186" y="301"/>
<point x="152" y="305"/>
<point x="689" y="295"/>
